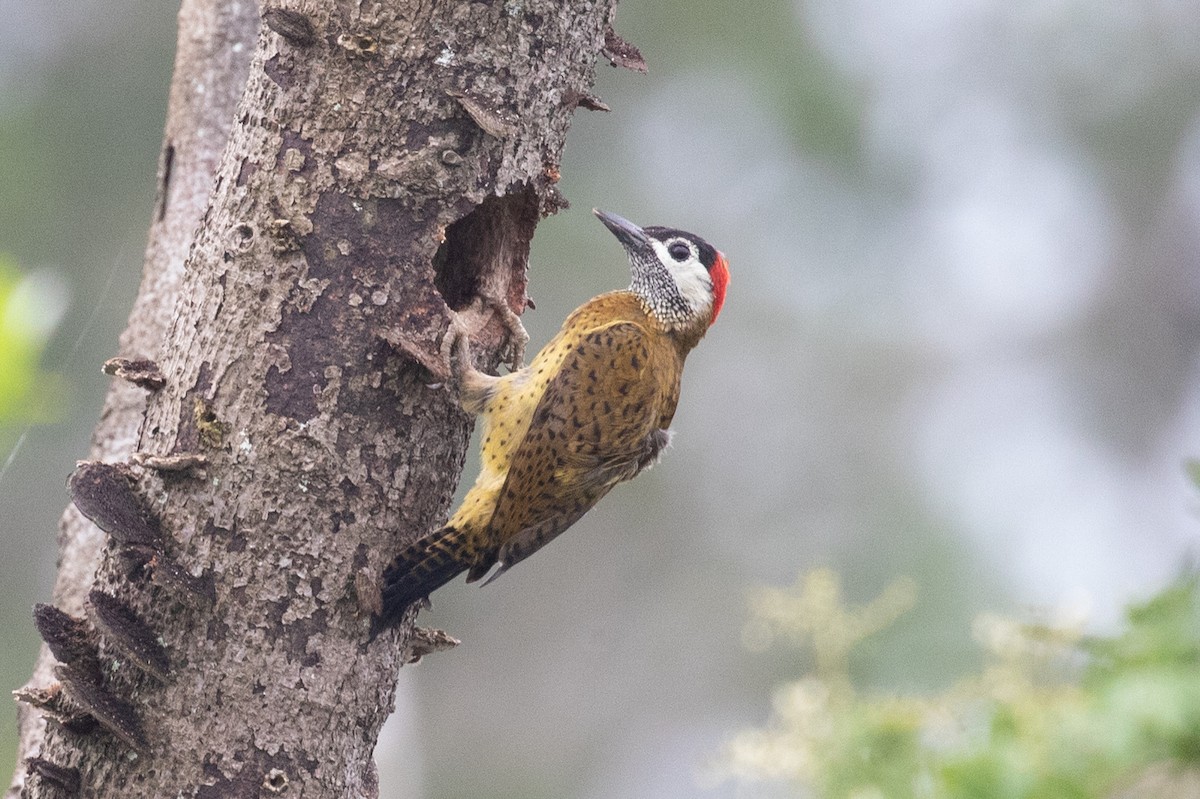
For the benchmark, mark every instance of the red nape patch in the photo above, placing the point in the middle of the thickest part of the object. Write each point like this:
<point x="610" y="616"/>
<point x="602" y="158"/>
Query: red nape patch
<point x="719" y="274"/>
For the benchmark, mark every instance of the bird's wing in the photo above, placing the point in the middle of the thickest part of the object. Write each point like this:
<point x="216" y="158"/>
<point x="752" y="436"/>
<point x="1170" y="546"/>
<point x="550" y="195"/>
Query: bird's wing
<point x="597" y="423"/>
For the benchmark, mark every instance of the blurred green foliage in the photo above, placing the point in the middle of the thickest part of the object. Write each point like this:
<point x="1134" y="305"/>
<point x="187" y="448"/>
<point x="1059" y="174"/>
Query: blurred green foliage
<point x="1054" y="714"/>
<point x="28" y="313"/>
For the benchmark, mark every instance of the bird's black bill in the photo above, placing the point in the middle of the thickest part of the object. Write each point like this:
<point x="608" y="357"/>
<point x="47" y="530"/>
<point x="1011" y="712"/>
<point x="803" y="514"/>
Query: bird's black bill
<point x="629" y="234"/>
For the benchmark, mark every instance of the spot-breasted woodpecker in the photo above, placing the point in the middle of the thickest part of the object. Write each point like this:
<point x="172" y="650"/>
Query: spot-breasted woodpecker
<point x="592" y="410"/>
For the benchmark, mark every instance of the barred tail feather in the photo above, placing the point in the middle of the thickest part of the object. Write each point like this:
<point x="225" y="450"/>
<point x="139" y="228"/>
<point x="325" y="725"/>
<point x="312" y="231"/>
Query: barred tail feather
<point x="422" y="567"/>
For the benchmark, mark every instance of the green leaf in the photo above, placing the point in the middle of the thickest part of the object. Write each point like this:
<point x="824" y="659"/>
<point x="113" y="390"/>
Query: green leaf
<point x="30" y="307"/>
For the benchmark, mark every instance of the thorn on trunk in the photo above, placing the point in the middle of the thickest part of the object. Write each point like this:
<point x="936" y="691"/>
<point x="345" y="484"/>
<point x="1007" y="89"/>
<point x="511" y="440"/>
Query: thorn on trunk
<point x="71" y="640"/>
<point x="426" y="641"/>
<point x="292" y="25"/>
<point x="55" y="705"/>
<point x="492" y="121"/>
<point x="573" y="98"/>
<point x="128" y="633"/>
<point x="182" y="462"/>
<point x="416" y="350"/>
<point x="141" y="372"/>
<point x="104" y="493"/>
<point x="114" y="714"/>
<point x="65" y="778"/>
<point x="593" y="103"/>
<point x="621" y="53"/>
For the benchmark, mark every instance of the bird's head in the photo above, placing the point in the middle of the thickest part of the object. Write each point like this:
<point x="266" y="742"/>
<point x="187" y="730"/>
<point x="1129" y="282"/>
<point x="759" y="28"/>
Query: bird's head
<point x="679" y="276"/>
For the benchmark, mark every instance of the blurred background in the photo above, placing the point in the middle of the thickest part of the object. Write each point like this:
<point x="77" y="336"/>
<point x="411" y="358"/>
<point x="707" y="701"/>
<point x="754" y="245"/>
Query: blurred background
<point x="960" y="345"/>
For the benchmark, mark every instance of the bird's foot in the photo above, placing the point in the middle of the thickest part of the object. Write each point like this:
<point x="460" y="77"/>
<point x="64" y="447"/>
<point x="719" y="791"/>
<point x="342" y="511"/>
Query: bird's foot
<point x="517" y="337"/>
<point x="455" y="351"/>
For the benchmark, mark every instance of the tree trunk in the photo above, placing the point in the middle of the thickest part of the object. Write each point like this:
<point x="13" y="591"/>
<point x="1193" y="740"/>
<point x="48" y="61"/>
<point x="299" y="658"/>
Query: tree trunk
<point x="384" y="161"/>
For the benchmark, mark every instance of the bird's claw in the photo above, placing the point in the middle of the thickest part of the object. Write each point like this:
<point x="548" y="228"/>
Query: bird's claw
<point x="455" y="352"/>
<point x="455" y="349"/>
<point x="518" y="338"/>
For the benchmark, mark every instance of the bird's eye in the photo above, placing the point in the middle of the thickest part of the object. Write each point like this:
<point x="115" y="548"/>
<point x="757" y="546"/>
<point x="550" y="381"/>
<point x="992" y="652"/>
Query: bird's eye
<point x="680" y="251"/>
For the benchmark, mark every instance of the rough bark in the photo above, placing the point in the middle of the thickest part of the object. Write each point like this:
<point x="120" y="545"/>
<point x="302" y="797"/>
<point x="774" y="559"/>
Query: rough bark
<point x="385" y="162"/>
<point x="213" y="50"/>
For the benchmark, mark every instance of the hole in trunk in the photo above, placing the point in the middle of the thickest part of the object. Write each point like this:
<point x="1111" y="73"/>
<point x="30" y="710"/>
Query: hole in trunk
<point x="487" y="251"/>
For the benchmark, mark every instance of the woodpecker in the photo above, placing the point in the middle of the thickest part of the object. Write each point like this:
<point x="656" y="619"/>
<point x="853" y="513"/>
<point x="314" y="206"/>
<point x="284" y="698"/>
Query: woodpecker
<point x="592" y="410"/>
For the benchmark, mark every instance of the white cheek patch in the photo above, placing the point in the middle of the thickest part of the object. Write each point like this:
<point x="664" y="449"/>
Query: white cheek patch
<point x="695" y="286"/>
